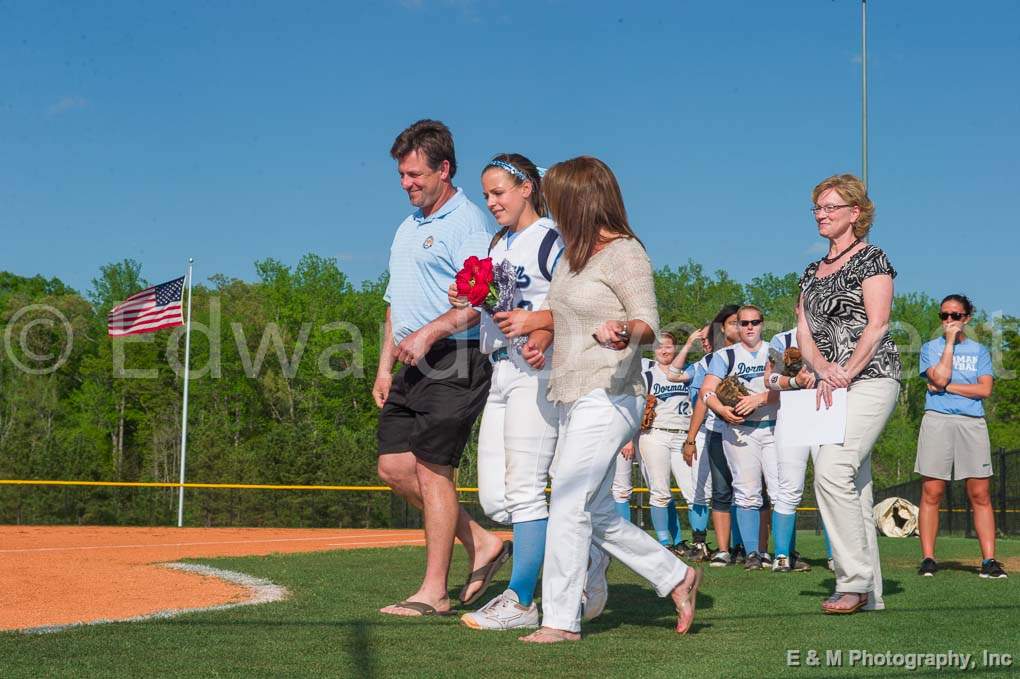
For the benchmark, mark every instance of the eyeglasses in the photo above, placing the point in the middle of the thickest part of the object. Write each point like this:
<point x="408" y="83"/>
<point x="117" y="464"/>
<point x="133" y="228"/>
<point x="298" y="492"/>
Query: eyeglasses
<point x="828" y="209"/>
<point x="756" y="322"/>
<point x="955" y="315"/>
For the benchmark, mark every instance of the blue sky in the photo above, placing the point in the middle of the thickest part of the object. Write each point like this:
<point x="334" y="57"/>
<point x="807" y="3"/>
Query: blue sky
<point x="159" y="131"/>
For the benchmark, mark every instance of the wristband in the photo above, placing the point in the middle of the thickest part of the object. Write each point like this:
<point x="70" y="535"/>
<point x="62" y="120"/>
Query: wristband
<point x="673" y="370"/>
<point x="794" y="384"/>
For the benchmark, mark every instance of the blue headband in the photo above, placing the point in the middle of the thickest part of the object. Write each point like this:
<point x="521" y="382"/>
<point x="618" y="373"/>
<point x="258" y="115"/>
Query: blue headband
<point x="503" y="165"/>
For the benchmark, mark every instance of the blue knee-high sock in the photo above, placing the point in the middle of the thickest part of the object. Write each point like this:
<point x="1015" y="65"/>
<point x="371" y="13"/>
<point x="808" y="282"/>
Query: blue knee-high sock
<point x="793" y="535"/>
<point x="828" y="545"/>
<point x="750" y="522"/>
<point x="735" y="537"/>
<point x="674" y="524"/>
<point x="529" y="552"/>
<point x="623" y="509"/>
<point x="783" y="526"/>
<point x="660" y="522"/>
<point x="698" y="516"/>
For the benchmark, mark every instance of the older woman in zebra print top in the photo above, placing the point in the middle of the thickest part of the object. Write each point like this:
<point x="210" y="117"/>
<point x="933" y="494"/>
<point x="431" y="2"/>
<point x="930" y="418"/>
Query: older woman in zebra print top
<point x="843" y="333"/>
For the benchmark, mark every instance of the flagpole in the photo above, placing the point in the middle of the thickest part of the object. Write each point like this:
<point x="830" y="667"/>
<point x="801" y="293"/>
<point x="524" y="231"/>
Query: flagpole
<point x="864" y="92"/>
<point x="184" y="408"/>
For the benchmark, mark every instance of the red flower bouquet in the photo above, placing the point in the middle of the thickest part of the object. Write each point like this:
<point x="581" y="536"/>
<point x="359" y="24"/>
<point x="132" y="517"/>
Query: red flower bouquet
<point x="477" y="283"/>
<point x="492" y="287"/>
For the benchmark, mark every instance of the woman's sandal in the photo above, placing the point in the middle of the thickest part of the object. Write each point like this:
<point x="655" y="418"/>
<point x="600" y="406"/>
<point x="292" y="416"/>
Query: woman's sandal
<point x="829" y="607"/>
<point x="685" y="612"/>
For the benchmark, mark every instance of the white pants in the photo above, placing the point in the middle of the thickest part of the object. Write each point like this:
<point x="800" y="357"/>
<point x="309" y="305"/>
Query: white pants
<point x="592" y="430"/>
<point x="516" y="443"/>
<point x="843" y="488"/>
<point x="750" y="454"/>
<point x="623" y="477"/>
<point x="791" y="462"/>
<point x="695" y="481"/>
<point x="657" y="450"/>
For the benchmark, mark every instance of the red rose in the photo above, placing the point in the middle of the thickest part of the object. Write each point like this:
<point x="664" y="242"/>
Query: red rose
<point x="474" y="279"/>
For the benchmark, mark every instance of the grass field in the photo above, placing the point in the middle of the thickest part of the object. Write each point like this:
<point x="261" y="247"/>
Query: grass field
<point x="746" y="623"/>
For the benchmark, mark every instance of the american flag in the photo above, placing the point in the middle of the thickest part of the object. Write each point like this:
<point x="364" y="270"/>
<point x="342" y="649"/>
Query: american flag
<point x="147" y="311"/>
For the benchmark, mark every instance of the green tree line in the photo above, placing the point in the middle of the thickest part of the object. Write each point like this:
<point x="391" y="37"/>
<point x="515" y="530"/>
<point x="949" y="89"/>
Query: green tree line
<point x="282" y="372"/>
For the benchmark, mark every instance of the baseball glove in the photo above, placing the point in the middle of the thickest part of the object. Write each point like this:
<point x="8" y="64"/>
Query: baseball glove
<point x="789" y="363"/>
<point x="730" y="391"/>
<point x="649" y="416"/>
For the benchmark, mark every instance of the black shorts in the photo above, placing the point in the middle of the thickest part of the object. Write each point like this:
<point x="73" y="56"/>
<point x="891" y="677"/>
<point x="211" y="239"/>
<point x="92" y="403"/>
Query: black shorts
<point x="432" y="406"/>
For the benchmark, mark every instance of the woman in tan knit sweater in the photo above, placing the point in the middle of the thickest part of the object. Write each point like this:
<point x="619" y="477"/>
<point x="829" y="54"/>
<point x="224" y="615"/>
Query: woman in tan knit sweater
<point x="601" y="307"/>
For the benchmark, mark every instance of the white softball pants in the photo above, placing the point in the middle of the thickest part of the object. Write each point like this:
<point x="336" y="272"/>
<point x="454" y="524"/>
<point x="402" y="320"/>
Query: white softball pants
<point x="623" y="477"/>
<point x="695" y="481"/>
<point x="791" y="463"/>
<point x="750" y="455"/>
<point x="516" y="444"/>
<point x="592" y="430"/>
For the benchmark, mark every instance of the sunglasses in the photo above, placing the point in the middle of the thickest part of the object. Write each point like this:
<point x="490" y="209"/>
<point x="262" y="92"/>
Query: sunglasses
<point x="955" y="315"/>
<point x="756" y="322"/>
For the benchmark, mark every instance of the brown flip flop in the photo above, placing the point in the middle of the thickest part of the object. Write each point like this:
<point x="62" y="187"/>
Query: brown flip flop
<point x="485" y="574"/>
<point x="421" y="607"/>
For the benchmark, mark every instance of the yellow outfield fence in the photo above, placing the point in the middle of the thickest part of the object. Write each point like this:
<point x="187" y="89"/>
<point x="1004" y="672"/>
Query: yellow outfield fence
<point x="278" y="486"/>
<point x="242" y="486"/>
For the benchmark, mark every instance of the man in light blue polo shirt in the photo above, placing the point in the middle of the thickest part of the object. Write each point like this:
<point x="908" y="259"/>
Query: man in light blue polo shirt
<point x="430" y="404"/>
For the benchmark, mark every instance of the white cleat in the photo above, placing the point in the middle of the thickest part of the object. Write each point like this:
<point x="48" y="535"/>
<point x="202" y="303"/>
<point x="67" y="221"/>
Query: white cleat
<point x="596" y="587"/>
<point x="502" y="613"/>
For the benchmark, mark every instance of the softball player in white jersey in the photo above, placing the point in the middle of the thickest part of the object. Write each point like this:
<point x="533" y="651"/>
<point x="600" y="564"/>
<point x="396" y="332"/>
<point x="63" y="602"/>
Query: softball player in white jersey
<point x="791" y="461"/>
<point x="518" y="431"/>
<point x="749" y="438"/>
<point x="662" y="443"/>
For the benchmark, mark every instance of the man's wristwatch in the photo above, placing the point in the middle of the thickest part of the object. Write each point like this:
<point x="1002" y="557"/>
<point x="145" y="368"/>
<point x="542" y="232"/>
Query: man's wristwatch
<point x="690" y="443"/>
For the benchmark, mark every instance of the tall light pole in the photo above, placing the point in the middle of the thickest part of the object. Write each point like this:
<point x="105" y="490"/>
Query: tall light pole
<point x="864" y="91"/>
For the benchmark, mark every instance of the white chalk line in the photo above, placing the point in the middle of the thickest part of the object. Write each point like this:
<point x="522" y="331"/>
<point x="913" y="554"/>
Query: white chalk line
<point x="260" y="592"/>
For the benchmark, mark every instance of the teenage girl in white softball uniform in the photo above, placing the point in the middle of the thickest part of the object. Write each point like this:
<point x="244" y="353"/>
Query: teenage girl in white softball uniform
<point x="518" y="431"/>
<point x="791" y="461"/>
<point x="661" y="445"/>
<point x="749" y="439"/>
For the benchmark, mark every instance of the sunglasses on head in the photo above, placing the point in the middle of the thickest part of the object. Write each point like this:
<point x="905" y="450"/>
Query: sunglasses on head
<point x="756" y="322"/>
<point x="955" y="315"/>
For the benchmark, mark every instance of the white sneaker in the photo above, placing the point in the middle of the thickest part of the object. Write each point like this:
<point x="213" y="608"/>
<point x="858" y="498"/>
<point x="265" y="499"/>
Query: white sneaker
<point x="503" y="612"/>
<point x="596" y="587"/>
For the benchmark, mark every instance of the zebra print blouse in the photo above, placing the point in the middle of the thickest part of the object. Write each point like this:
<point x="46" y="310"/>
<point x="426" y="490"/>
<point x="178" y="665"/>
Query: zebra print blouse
<point x="834" y="309"/>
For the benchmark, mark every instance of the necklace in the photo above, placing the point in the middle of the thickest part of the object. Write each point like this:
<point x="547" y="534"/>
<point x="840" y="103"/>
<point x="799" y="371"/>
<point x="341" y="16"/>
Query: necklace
<point x="839" y="255"/>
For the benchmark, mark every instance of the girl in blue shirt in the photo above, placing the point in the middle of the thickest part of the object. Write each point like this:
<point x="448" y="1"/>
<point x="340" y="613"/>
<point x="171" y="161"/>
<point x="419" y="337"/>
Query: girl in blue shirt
<point x="953" y="442"/>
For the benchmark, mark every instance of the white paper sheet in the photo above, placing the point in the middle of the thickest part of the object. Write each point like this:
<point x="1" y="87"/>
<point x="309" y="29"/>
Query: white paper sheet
<point x="801" y="424"/>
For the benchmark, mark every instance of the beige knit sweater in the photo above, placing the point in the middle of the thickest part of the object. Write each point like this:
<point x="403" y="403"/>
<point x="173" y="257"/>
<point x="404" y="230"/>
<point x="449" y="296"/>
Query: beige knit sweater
<point x="615" y="285"/>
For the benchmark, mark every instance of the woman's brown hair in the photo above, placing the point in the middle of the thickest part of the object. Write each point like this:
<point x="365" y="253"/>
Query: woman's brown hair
<point x="584" y="198"/>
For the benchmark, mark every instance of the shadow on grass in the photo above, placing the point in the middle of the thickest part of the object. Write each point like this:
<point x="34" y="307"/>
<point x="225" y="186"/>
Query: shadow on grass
<point x="632" y="604"/>
<point x="359" y="649"/>
<point x="828" y="586"/>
